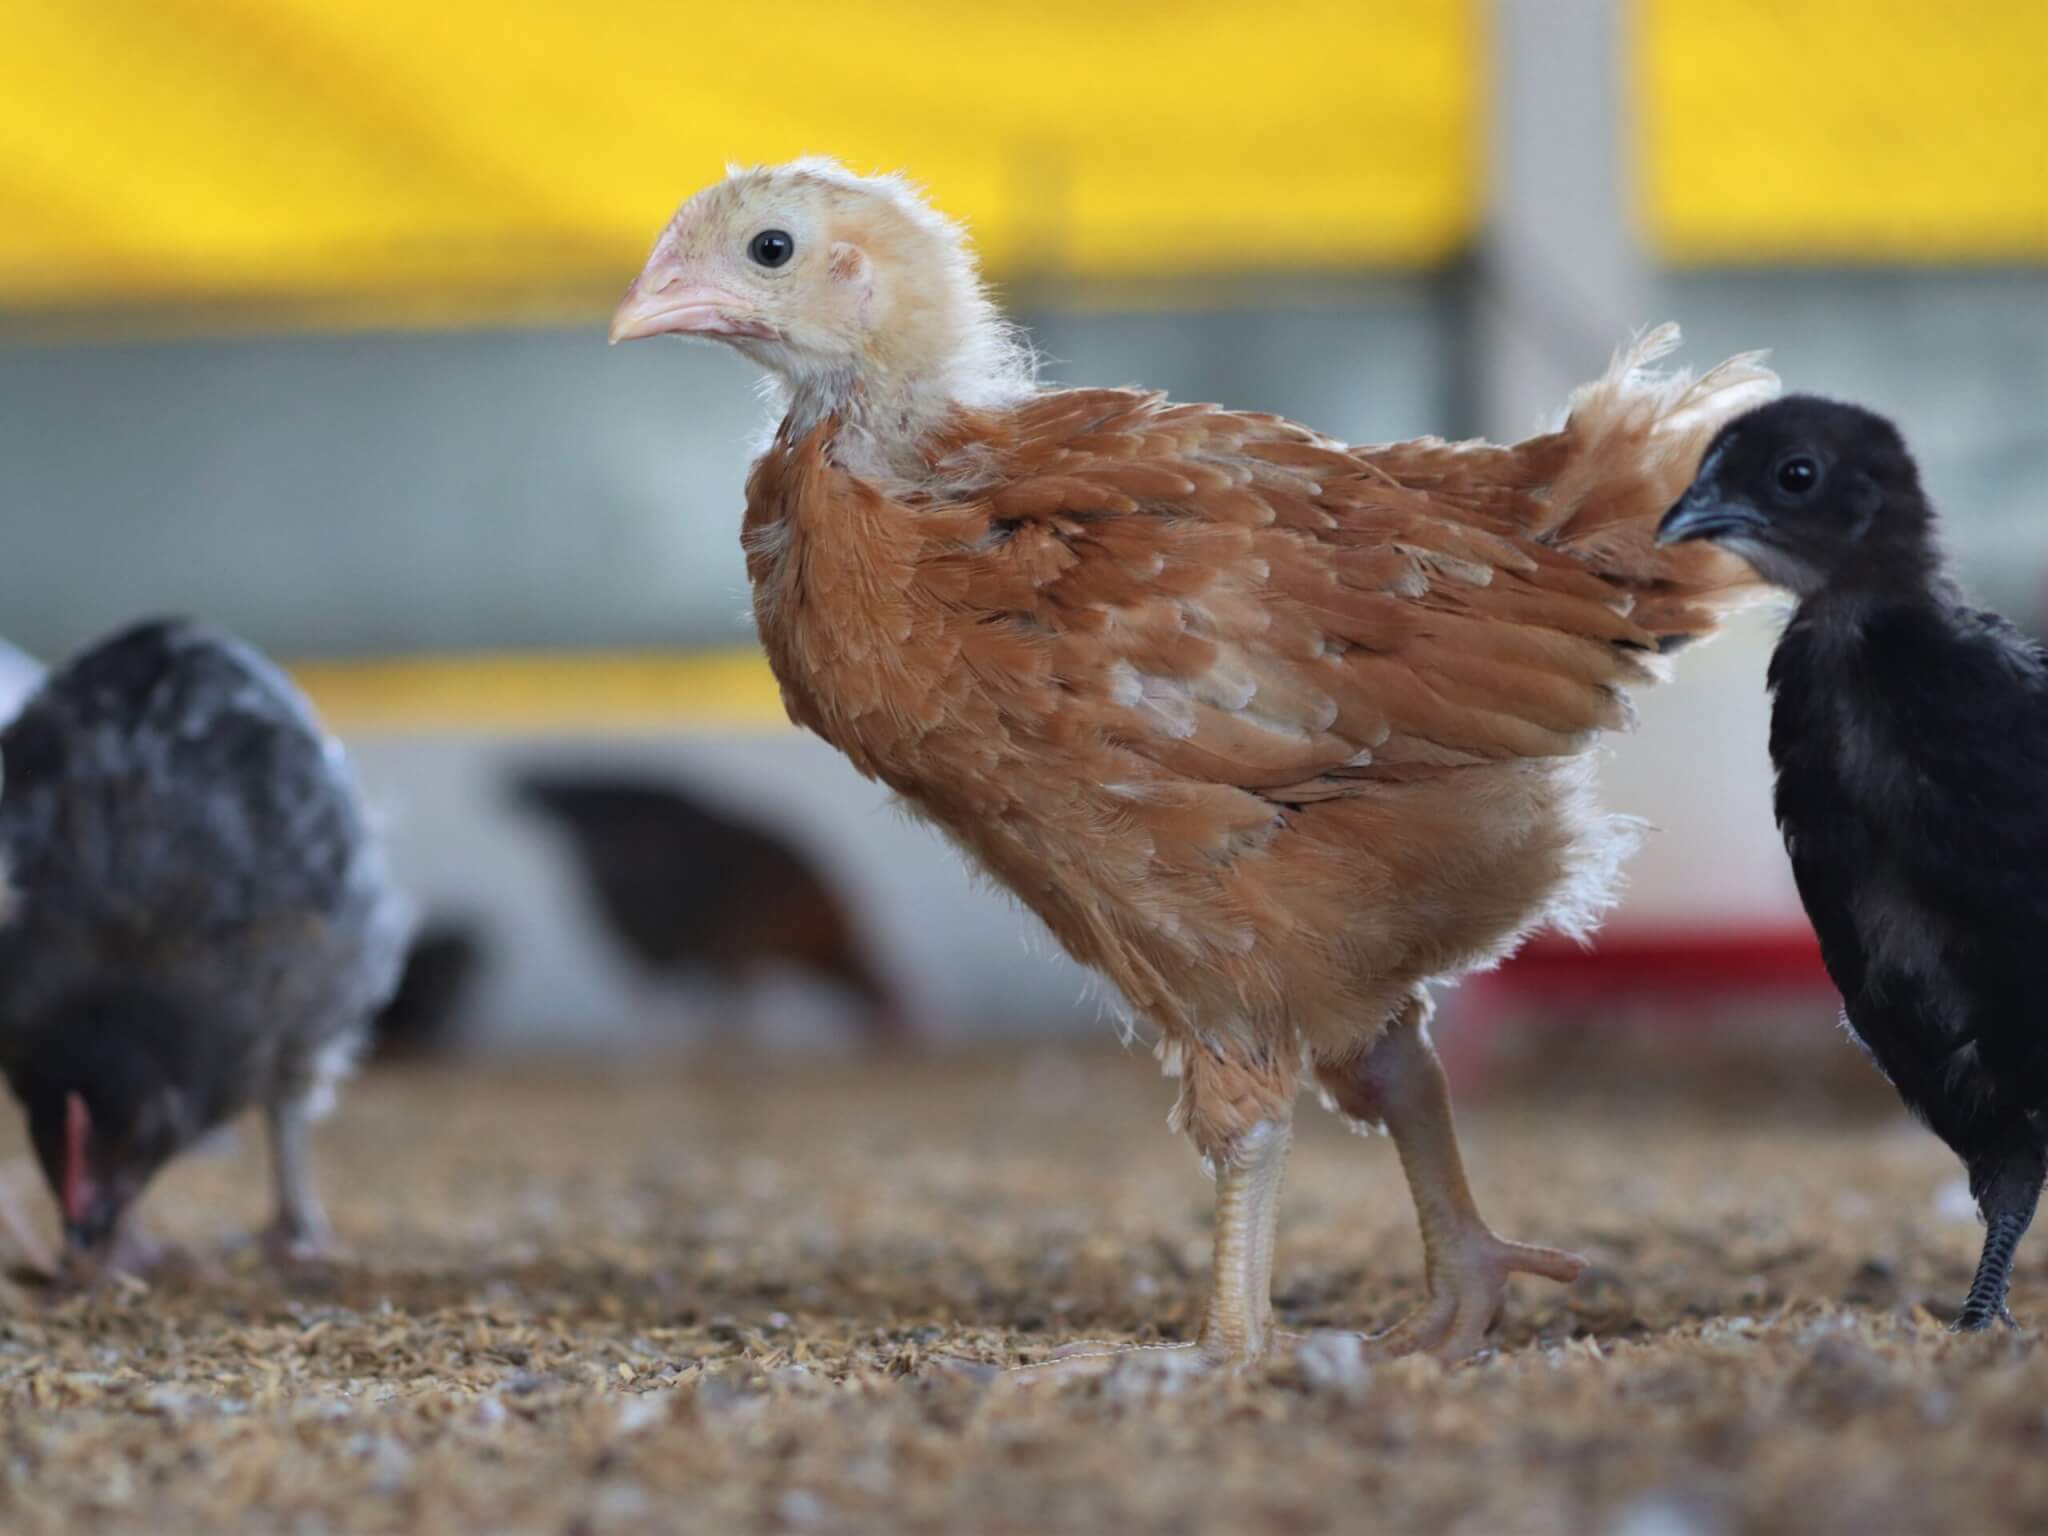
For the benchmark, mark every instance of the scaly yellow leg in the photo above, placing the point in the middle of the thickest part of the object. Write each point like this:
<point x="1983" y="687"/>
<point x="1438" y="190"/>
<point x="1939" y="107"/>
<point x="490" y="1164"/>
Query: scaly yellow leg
<point x="1237" y="1323"/>
<point x="1401" y="1082"/>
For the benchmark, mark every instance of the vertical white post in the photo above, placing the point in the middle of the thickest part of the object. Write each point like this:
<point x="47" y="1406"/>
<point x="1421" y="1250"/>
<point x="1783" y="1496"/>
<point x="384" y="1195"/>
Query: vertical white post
<point x="1561" y="279"/>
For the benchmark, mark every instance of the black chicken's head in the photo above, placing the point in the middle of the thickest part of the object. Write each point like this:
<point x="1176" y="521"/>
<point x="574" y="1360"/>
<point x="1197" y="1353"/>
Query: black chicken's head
<point x="107" y="1081"/>
<point x="1813" y="493"/>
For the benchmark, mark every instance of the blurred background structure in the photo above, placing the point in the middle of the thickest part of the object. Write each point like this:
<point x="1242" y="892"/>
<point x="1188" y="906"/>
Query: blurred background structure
<point x="301" y="328"/>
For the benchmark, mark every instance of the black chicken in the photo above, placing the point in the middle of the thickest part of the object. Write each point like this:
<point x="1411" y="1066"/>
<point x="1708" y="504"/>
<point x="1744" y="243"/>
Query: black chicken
<point x="1910" y="736"/>
<point x="685" y="888"/>
<point x="201" y="921"/>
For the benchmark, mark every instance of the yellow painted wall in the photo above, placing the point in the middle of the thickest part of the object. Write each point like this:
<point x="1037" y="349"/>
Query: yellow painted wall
<point x="473" y="159"/>
<point x="459" y="156"/>
<point x="548" y="694"/>
<point x="1843" y="130"/>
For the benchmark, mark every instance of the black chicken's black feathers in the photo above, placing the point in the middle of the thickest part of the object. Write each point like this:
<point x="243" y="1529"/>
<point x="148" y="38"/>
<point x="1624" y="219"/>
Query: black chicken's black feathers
<point x="1909" y="733"/>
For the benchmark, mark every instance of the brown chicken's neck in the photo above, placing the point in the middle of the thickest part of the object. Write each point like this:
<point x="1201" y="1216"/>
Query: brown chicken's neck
<point x="881" y="430"/>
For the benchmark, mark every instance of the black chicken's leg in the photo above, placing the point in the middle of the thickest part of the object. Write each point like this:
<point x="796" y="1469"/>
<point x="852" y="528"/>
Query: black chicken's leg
<point x="2007" y="1198"/>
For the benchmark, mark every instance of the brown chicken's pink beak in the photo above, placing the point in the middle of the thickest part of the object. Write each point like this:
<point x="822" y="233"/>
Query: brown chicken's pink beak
<point x="661" y="303"/>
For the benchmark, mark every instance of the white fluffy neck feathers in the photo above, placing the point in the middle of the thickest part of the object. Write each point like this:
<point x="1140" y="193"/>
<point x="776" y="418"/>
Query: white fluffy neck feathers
<point x="933" y="341"/>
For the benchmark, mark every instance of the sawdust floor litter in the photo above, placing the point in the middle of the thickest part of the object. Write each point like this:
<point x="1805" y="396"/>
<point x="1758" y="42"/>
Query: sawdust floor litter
<point x="718" y="1298"/>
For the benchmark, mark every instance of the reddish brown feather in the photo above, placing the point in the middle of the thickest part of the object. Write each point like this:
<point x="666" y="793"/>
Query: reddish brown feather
<point x="1207" y="689"/>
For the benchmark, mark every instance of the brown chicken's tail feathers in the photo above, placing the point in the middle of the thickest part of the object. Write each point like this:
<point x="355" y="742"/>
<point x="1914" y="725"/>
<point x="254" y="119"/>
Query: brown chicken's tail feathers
<point x="1630" y="444"/>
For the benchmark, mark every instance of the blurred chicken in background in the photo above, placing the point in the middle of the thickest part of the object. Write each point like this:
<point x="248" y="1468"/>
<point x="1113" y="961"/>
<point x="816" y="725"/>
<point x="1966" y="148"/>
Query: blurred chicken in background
<point x="688" y="890"/>
<point x="201" y="924"/>
<point x="424" y="1015"/>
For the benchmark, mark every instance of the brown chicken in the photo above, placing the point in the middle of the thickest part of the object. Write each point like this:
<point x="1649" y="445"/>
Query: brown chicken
<point x="1271" y="731"/>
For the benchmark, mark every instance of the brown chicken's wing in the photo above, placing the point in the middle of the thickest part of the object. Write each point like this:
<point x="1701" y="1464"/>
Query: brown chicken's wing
<point x="1246" y="603"/>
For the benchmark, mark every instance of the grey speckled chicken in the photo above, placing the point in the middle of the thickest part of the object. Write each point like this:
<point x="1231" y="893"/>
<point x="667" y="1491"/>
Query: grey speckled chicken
<point x="201" y="921"/>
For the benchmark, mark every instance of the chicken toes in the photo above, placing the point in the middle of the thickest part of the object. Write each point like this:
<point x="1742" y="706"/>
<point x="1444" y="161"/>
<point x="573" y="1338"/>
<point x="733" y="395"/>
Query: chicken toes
<point x="1468" y="1281"/>
<point x="1400" y="1082"/>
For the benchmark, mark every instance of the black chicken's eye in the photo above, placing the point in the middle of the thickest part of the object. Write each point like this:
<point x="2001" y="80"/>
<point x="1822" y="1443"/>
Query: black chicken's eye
<point x="1798" y="474"/>
<point x="771" y="247"/>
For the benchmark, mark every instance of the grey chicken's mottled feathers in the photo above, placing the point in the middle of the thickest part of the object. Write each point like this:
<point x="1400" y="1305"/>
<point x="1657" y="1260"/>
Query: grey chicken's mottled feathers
<point x="176" y="819"/>
<point x="216" y="743"/>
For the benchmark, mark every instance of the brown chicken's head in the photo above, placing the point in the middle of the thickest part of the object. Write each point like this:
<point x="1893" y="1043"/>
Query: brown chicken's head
<point x="850" y="289"/>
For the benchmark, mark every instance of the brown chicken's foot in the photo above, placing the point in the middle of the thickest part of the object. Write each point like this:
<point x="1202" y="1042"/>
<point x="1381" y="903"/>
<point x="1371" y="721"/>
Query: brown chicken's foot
<point x="1237" y="1324"/>
<point x="1466" y="1292"/>
<point x="1466" y="1289"/>
<point x="1401" y="1082"/>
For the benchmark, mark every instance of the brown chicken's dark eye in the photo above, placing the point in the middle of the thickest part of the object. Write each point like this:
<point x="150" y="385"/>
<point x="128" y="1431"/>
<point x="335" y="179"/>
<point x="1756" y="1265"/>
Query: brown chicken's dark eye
<point x="771" y="248"/>
<point x="1798" y="474"/>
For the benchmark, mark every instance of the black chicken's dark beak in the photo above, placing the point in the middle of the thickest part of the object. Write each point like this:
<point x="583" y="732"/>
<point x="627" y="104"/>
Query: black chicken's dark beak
<point x="1704" y="513"/>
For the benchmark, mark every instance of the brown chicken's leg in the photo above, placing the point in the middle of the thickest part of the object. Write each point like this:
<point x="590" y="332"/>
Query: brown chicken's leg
<point x="1237" y="1323"/>
<point x="1401" y="1082"/>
